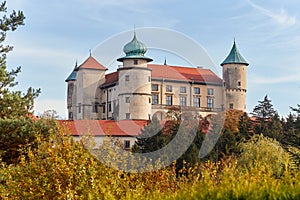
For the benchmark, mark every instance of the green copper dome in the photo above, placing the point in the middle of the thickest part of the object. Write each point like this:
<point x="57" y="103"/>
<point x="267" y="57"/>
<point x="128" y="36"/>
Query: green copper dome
<point x="234" y="57"/>
<point x="135" y="50"/>
<point x="72" y="76"/>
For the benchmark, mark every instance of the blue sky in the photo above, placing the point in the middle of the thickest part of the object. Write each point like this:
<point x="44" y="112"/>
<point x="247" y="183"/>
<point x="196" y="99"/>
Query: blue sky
<point x="57" y="33"/>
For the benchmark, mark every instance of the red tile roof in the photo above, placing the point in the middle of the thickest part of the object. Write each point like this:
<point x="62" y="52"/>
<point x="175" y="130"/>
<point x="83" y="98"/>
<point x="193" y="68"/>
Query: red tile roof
<point x="104" y="127"/>
<point x="91" y="63"/>
<point x="111" y="78"/>
<point x="176" y="73"/>
<point x="184" y="73"/>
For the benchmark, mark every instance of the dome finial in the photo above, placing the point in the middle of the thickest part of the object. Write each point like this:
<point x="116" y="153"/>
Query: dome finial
<point x="90" y="53"/>
<point x="165" y="63"/>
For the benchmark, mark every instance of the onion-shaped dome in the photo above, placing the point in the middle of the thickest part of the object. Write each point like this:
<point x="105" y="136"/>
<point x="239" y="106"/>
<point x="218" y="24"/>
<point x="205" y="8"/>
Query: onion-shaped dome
<point x="135" y="50"/>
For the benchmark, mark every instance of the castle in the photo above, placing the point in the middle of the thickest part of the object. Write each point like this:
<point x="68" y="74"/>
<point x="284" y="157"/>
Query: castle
<point x="138" y="89"/>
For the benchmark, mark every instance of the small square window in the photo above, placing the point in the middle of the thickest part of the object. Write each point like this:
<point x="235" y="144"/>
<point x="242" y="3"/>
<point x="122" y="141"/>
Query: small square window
<point x="135" y="62"/>
<point x="168" y="88"/>
<point x="210" y="91"/>
<point x="154" y="87"/>
<point x="127" y="115"/>
<point x="182" y="89"/>
<point x="196" y="90"/>
<point x="127" y="99"/>
<point x="127" y="78"/>
<point x="231" y="106"/>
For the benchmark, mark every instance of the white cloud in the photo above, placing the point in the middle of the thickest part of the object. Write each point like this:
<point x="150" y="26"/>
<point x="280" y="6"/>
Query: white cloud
<point x="282" y="17"/>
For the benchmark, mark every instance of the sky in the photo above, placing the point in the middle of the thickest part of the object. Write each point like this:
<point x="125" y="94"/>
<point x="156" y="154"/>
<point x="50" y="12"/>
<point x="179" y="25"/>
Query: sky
<point x="59" y="33"/>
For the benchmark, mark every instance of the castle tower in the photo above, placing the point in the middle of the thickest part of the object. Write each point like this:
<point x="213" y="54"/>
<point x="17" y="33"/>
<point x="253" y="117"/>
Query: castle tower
<point x="86" y="80"/>
<point x="71" y="93"/>
<point x="134" y="82"/>
<point x="234" y="77"/>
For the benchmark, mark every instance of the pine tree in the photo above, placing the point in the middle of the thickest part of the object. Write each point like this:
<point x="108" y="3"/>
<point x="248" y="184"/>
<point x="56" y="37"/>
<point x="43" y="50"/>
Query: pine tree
<point x="18" y="127"/>
<point x="12" y="103"/>
<point x="263" y="113"/>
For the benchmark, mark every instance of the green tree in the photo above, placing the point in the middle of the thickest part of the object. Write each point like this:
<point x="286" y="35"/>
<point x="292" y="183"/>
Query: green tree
<point x="18" y="126"/>
<point x="12" y="103"/>
<point x="263" y="114"/>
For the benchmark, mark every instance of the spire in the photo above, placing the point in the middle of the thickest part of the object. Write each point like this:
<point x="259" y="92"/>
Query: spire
<point x="90" y="53"/>
<point x="165" y="63"/>
<point x="234" y="56"/>
<point x="72" y="76"/>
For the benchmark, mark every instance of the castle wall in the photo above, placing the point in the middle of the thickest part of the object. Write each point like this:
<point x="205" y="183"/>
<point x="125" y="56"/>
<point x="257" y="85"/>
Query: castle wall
<point x="134" y="92"/>
<point x="88" y="82"/>
<point x="235" y="80"/>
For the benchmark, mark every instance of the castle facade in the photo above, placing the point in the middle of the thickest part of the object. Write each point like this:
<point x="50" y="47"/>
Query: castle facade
<point x="139" y="89"/>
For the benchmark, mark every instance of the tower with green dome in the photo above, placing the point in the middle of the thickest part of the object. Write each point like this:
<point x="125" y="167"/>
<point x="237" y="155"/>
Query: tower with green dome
<point x="134" y="82"/>
<point x="234" y="77"/>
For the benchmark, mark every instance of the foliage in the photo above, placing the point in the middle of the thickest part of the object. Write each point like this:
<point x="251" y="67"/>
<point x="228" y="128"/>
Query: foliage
<point x="12" y="103"/>
<point x="17" y="135"/>
<point x="258" y="153"/>
<point x="62" y="169"/>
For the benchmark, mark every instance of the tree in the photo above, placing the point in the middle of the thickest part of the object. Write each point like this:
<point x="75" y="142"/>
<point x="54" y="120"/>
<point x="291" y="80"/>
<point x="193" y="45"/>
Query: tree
<point x="12" y="103"/>
<point x="264" y="110"/>
<point x="49" y="114"/>
<point x="18" y="127"/>
<point x="263" y="113"/>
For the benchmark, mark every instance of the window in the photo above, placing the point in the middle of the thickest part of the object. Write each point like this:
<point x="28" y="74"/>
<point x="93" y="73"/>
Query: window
<point x="109" y="107"/>
<point x="210" y="91"/>
<point x="95" y="108"/>
<point x="197" y="102"/>
<point x="127" y="144"/>
<point x="182" y="89"/>
<point x="103" y="111"/>
<point x="70" y="115"/>
<point x="127" y="78"/>
<point x="127" y="115"/>
<point x="169" y="100"/>
<point x="196" y="90"/>
<point x="239" y="83"/>
<point x="135" y="62"/>
<point x="168" y="88"/>
<point x="210" y="103"/>
<point x="154" y="99"/>
<point x="154" y="87"/>
<point x="127" y="99"/>
<point x="79" y="108"/>
<point x="182" y="100"/>
<point x="149" y="79"/>
<point x="231" y="106"/>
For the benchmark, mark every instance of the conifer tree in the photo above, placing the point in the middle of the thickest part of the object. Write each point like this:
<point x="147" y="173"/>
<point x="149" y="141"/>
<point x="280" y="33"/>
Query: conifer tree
<point x="18" y="127"/>
<point x="12" y="103"/>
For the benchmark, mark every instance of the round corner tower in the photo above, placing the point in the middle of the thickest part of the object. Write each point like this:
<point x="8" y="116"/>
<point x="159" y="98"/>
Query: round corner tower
<point x="234" y="77"/>
<point x="134" y="82"/>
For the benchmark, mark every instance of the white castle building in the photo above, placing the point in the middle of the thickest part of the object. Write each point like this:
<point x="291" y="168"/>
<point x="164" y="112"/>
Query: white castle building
<point x="138" y="89"/>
